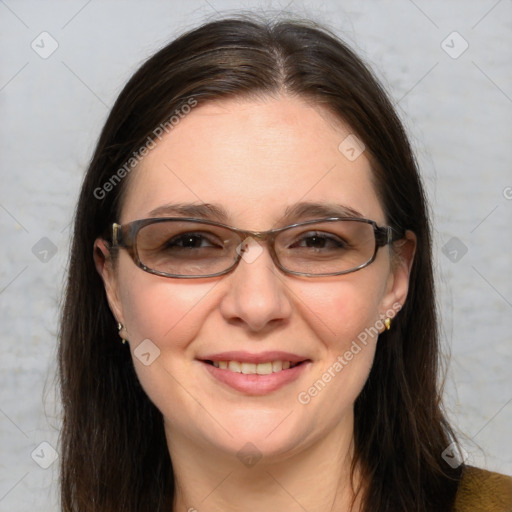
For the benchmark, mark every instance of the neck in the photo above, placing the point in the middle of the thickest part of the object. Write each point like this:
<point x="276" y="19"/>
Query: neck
<point x="317" y="478"/>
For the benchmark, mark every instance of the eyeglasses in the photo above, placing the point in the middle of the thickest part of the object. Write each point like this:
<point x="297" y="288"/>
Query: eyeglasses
<point x="192" y="248"/>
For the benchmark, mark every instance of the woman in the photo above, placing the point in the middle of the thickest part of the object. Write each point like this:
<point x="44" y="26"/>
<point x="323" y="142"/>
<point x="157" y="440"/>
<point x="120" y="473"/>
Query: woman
<point x="250" y="320"/>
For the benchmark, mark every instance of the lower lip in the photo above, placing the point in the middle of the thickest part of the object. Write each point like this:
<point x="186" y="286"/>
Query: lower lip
<point x="254" y="384"/>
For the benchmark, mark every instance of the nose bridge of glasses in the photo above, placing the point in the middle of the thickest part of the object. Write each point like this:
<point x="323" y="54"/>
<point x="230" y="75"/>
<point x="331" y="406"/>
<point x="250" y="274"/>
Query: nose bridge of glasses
<point x="250" y="245"/>
<point x="259" y="237"/>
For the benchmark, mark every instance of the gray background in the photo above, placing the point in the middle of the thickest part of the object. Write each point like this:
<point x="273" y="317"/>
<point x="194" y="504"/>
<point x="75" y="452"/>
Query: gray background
<point x="457" y="111"/>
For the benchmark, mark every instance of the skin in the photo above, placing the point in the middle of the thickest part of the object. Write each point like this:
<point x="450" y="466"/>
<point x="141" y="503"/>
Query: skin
<point x="255" y="158"/>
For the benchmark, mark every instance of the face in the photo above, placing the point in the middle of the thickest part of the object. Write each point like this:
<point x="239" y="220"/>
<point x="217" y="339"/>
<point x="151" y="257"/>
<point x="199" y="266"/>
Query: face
<point x="255" y="161"/>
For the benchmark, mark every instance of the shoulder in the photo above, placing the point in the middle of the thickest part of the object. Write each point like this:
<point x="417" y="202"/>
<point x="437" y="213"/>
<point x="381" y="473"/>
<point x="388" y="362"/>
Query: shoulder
<point x="483" y="491"/>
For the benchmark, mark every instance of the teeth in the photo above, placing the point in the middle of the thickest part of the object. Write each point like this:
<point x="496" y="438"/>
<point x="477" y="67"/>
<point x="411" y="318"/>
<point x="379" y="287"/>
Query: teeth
<point x="264" y="368"/>
<point x="234" y="366"/>
<point x="277" y="366"/>
<point x="253" y="368"/>
<point x="248" y="368"/>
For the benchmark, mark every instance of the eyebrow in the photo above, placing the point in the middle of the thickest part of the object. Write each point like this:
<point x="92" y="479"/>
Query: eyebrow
<point x="195" y="210"/>
<point x="294" y="213"/>
<point x="300" y="211"/>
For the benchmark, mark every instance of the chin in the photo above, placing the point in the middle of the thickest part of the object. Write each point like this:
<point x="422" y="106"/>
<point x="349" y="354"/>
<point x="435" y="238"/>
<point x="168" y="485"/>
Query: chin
<point x="273" y="434"/>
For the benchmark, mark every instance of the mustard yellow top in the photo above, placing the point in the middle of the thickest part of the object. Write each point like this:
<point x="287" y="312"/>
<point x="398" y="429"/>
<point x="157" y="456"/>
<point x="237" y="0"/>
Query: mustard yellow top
<point x="483" y="491"/>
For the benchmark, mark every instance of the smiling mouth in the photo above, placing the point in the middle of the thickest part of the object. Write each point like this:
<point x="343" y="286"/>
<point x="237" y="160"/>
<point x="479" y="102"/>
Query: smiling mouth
<point x="265" y="368"/>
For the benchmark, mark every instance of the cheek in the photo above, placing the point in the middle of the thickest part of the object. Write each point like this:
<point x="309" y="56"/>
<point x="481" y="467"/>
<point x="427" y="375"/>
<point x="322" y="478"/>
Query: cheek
<point x="163" y="310"/>
<point x="345" y="316"/>
<point x="170" y="314"/>
<point x="338" y="311"/>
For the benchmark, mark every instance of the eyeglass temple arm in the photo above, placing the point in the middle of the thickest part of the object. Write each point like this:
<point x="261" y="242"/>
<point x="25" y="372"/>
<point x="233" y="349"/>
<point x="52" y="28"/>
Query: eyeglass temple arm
<point x="119" y="237"/>
<point x="387" y="235"/>
<point x="116" y="232"/>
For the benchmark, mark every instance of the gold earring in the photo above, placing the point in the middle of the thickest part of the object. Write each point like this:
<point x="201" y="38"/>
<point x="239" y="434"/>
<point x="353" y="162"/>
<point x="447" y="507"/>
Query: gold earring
<point x="120" y="328"/>
<point x="387" y="323"/>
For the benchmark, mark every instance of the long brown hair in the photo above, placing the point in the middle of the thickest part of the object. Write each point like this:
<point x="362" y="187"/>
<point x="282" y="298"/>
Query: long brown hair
<point x="113" y="450"/>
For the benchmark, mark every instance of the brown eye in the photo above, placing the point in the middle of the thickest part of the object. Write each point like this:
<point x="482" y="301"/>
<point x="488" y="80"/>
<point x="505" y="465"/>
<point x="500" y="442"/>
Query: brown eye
<point x="318" y="240"/>
<point x="189" y="240"/>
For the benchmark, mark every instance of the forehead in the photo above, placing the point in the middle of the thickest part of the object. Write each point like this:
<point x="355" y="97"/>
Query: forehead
<point x="255" y="159"/>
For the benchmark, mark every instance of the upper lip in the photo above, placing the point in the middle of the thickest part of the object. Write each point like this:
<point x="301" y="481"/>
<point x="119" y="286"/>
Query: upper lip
<point x="249" y="357"/>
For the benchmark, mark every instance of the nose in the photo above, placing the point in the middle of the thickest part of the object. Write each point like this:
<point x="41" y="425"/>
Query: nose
<point x="257" y="297"/>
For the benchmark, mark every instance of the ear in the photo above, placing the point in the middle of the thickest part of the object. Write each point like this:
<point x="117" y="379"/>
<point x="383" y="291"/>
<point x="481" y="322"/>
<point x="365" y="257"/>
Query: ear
<point x="401" y="263"/>
<point x="105" y="268"/>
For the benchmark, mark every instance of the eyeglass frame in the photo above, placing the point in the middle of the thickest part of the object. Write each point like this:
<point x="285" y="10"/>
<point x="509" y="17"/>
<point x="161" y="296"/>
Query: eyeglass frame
<point x="384" y="235"/>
